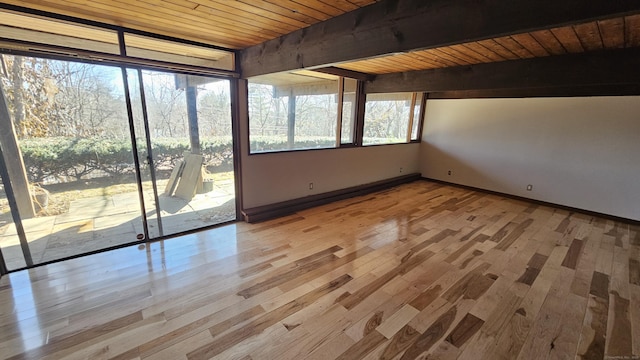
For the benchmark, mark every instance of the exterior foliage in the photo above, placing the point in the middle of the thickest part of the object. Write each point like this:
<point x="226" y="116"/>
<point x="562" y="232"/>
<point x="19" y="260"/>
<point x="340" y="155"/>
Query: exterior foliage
<point x="53" y="160"/>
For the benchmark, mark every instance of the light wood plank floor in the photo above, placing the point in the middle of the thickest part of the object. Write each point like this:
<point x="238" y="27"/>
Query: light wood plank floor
<point x="422" y="270"/>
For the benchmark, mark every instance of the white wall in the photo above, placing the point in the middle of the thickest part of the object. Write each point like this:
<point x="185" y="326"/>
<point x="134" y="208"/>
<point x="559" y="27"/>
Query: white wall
<point x="271" y="178"/>
<point x="276" y="177"/>
<point x="579" y="152"/>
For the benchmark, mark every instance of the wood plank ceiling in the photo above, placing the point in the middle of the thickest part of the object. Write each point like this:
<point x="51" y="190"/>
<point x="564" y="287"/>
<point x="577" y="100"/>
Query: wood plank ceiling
<point x="241" y="24"/>
<point x="617" y="33"/>
<point x="231" y="24"/>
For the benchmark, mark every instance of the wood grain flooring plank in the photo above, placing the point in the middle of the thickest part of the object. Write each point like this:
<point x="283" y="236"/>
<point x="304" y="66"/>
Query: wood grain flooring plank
<point x="619" y="339"/>
<point x="550" y="284"/>
<point x="400" y="342"/>
<point x="176" y="336"/>
<point x="634" y="271"/>
<point x="332" y="348"/>
<point x="534" y="266"/>
<point x="366" y="345"/>
<point x="469" y="285"/>
<point x="427" y="297"/>
<point x="567" y="336"/>
<point x="468" y="260"/>
<point x="434" y="239"/>
<point x="634" y="235"/>
<point x="573" y="255"/>
<point x="55" y="345"/>
<point x="634" y="314"/>
<point x="593" y="338"/>
<point x="423" y="276"/>
<point x="503" y="232"/>
<point x="260" y="267"/>
<point x="494" y="323"/>
<point x="112" y="343"/>
<point x="509" y="342"/>
<point x="255" y="327"/>
<point x="334" y="265"/>
<point x="514" y="235"/>
<point x="430" y="336"/>
<point x="585" y="268"/>
<point x="413" y="261"/>
<point x="397" y="321"/>
<point x="456" y="254"/>
<point x="381" y="301"/>
<point x="472" y="234"/>
<point x="564" y="224"/>
<point x="324" y="321"/>
<point x="299" y="267"/>
<point x="464" y="330"/>
<point x="600" y="285"/>
<point x="225" y="325"/>
<point x="373" y="323"/>
<point x="542" y="336"/>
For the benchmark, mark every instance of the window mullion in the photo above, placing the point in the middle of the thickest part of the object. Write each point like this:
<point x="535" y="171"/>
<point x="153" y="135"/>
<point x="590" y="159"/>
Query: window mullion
<point x="361" y="99"/>
<point x="339" y="112"/>
<point x="411" y="116"/>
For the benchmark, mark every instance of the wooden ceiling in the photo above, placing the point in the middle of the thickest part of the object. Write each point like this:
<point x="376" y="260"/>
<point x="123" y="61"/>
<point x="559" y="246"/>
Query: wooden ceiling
<point x="227" y="23"/>
<point x="616" y="33"/>
<point x="242" y="24"/>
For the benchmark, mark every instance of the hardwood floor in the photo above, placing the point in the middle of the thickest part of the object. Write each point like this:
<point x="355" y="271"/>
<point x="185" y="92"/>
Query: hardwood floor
<point x="423" y="270"/>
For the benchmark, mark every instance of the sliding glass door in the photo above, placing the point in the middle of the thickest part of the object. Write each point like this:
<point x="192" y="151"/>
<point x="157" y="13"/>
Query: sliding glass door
<point x="98" y="156"/>
<point x="72" y="166"/>
<point x="184" y="123"/>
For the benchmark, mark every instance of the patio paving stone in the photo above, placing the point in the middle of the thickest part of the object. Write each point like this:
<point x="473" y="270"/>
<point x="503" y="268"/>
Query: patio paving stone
<point x="105" y="221"/>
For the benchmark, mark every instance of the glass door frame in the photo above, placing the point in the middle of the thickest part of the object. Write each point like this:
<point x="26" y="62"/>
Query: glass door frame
<point x="235" y="135"/>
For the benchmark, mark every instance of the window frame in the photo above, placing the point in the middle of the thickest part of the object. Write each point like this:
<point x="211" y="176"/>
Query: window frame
<point x="338" y="144"/>
<point x="358" y="121"/>
<point x="119" y="58"/>
<point x="412" y="119"/>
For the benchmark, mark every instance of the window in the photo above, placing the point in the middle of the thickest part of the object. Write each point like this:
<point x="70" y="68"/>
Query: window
<point x="309" y="110"/>
<point x="391" y="118"/>
<point x="348" y="111"/>
<point x="295" y="111"/>
<point x="42" y="30"/>
<point x="54" y="37"/>
<point x="112" y="132"/>
<point x="416" y="121"/>
<point x="145" y="47"/>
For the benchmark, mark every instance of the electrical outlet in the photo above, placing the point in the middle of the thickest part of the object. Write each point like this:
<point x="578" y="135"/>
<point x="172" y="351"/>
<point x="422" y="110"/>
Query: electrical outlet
<point x="449" y="172"/>
<point x="400" y="170"/>
<point x="310" y="186"/>
<point x="529" y="187"/>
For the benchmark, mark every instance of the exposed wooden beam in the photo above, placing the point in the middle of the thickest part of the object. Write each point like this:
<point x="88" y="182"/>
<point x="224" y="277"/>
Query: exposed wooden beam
<point x="614" y="67"/>
<point x="592" y="90"/>
<point x="346" y="73"/>
<point x="392" y="26"/>
<point x="318" y="88"/>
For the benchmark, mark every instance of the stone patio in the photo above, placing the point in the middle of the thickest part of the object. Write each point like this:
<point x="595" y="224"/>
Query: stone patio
<point x="104" y="221"/>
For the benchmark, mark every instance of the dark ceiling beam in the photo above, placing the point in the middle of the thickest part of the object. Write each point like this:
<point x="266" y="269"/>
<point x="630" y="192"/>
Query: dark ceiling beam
<point x="394" y="26"/>
<point x="568" y="91"/>
<point x="346" y="73"/>
<point x="613" y="67"/>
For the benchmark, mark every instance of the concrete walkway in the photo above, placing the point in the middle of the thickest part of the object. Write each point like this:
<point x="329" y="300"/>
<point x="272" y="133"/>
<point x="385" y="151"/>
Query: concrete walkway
<point x="99" y="222"/>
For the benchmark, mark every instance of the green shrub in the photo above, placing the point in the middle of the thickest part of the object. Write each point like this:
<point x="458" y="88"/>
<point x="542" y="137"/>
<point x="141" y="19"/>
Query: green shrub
<point x="68" y="159"/>
<point x="279" y="143"/>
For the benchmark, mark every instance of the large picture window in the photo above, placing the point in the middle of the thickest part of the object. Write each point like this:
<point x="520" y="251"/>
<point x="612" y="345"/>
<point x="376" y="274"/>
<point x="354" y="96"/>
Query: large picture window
<point x="311" y="110"/>
<point x="391" y="118"/>
<point x="300" y="110"/>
